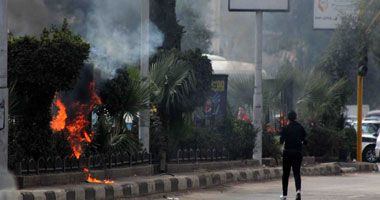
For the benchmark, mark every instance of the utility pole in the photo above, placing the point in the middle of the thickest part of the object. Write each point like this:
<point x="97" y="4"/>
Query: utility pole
<point x="3" y="85"/>
<point x="257" y="95"/>
<point x="144" y="120"/>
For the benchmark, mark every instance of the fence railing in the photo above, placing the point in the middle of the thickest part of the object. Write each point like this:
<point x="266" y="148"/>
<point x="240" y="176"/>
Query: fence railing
<point x="199" y="155"/>
<point x="70" y="164"/>
<point x="120" y="159"/>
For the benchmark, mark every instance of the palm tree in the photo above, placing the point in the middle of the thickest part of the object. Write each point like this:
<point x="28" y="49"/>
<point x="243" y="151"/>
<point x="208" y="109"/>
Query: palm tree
<point x="125" y="95"/>
<point x="108" y="138"/>
<point x="322" y="101"/>
<point x="171" y="80"/>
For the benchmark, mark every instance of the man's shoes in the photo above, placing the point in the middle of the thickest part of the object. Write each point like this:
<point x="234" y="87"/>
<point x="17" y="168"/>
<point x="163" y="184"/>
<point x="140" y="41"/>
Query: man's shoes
<point x="282" y="197"/>
<point x="298" y="196"/>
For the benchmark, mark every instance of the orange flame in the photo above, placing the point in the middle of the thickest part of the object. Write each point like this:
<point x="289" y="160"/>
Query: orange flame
<point x="77" y="126"/>
<point x="94" y="180"/>
<point x="58" y="123"/>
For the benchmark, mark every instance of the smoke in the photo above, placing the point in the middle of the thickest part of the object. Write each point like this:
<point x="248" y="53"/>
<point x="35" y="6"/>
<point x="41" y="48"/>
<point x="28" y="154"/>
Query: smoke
<point x="28" y="16"/>
<point x="111" y="27"/>
<point x="114" y="31"/>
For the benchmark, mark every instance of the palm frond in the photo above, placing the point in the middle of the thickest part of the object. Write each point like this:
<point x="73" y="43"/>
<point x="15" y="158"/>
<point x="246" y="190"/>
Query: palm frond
<point x="170" y="79"/>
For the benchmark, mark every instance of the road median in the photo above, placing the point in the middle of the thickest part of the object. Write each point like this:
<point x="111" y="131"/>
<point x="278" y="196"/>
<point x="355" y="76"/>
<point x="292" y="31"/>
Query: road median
<point x="143" y="186"/>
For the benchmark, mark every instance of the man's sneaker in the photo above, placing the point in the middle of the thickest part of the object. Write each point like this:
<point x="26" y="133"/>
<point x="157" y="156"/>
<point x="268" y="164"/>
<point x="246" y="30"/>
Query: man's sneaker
<point x="298" y="196"/>
<point x="282" y="197"/>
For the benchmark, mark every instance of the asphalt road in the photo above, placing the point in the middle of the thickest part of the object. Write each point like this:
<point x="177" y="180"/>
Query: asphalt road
<point x="349" y="186"/>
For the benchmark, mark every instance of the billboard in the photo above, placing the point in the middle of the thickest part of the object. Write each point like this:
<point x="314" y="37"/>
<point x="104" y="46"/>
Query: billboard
<point x="328" y="13"/>
<point x="215" y="109"/>
<point x="258" y="5"/>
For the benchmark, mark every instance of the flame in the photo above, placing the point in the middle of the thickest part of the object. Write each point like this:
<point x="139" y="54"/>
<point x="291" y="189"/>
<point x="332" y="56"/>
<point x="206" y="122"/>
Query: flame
<point x="94" y="180"/>
<point x="94" y="97"/>
<point x="58" y="123"/>
<point x="78" y="125"/>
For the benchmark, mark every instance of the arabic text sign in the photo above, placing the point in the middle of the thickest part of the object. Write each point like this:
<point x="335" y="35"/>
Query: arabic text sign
<point x="328" y="13"/>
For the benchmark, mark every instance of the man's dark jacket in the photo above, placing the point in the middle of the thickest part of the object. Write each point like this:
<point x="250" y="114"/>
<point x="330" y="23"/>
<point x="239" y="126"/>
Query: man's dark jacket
<point x="294" y="135"/>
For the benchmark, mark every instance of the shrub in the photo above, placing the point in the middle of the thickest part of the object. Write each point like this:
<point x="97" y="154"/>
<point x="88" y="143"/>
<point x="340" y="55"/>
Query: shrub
<point x="241" y="140"/>
<point x="37" y="69"/>
<point x="271" y="145"/>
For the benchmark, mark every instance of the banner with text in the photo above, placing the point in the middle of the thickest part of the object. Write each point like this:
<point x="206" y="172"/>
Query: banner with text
<point x="328" y="13"/>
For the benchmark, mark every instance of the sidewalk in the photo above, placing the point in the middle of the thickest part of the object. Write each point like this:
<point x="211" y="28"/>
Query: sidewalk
<point x="132" y="187"/>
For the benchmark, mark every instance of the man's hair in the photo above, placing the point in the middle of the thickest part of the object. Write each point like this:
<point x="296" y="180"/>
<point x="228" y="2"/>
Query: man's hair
<point x="292" y="116"/>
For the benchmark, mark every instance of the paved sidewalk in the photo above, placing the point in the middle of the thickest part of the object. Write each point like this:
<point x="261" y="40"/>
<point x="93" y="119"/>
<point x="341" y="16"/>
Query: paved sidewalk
<point x="130" y="187"/>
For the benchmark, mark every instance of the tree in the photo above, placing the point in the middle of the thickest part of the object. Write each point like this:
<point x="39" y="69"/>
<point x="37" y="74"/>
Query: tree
<point x="171" y="80"/>
<point x="38" y="68"/>
<point x="124" y="95"/>
<point x="201" y="66"/>
<point x="355" y="38"/>
<point x="163" y="14"/>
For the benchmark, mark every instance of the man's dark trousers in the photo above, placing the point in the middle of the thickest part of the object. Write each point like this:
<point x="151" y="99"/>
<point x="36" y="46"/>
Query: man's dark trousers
<point x="293" y="159"/>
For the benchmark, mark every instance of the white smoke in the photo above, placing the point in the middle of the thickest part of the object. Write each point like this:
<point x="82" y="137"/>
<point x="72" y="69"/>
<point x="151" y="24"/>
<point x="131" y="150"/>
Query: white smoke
<point x="115" y="35"/>
<point x="111" y="27"/>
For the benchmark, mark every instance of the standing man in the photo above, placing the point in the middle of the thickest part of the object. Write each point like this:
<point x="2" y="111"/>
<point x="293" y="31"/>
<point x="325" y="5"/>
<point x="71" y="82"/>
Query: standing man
<point x="293" y="135"/>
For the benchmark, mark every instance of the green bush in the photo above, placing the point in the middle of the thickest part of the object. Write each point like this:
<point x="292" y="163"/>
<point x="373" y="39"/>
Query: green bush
<point x="241" y="140"/>
<point x="271" y="145"/>
<point x="322" y="142"/>
<point x="37" y="69"/>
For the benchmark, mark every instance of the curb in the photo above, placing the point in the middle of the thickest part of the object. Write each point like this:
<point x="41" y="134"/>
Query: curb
<point x="179" y="183"/>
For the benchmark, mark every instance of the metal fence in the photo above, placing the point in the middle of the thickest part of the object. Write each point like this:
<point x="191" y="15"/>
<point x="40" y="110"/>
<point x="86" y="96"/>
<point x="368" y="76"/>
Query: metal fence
<point x="199" y="155"/>
<point x="121" y="159"/>
<point x="70" y="164"/>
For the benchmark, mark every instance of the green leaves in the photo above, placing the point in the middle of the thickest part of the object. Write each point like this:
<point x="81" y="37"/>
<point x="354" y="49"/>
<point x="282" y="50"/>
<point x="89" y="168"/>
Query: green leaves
<point x="109" y="139"/>
<point x="37" y="69"/>
<point x="322" y="100"/>
<point x="125" y="94"/>
<point x="171" y="79"/>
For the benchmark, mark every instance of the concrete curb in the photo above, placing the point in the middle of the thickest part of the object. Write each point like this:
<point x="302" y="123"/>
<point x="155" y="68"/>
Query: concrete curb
<point x="180" y="183"/>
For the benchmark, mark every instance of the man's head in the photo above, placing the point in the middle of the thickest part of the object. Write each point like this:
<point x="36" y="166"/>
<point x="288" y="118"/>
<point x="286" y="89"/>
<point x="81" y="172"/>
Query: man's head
<point x="292" y="116"/>
<point x="241" y="109"/>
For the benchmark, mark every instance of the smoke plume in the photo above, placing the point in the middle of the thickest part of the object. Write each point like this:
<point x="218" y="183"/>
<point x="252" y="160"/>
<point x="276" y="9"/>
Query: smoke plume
<point x="111" y="27"/>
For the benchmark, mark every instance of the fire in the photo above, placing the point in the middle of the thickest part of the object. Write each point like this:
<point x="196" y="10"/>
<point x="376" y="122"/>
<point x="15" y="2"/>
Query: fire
<point x="94" y="180"/>
<point x="78" y="125"/>
<point x="58" y="123"/>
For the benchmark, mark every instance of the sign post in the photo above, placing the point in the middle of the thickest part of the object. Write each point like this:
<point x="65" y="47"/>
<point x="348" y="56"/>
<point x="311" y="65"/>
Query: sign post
<point x="258" y="6"/>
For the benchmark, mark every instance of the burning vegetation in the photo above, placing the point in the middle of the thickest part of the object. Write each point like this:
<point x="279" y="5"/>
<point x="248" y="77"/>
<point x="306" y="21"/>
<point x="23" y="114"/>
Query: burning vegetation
<point x="77" y="125"/>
